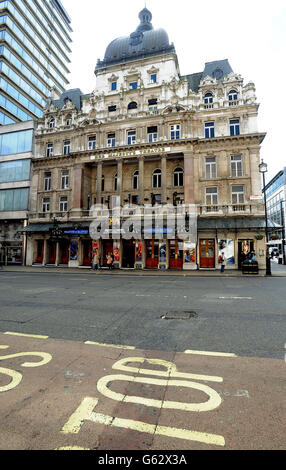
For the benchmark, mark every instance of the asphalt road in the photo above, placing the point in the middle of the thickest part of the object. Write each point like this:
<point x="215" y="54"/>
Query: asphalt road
<point x="245" y="316"/>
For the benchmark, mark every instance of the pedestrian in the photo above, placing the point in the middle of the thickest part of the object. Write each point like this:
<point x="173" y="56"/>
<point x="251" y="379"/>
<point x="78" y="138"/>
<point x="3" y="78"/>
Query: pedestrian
<point x="222" y="262"/>
<point x="96" y="261"/>
<point x="109" y="261"/>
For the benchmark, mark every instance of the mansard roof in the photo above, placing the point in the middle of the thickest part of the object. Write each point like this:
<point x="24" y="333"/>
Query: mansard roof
<point x="218" y="69"/>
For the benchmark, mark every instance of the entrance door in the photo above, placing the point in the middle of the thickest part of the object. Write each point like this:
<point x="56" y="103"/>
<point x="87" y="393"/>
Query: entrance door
<point x="128" y="254"/>
<point x="244" y="248"/>
<point x="52" y="252"/>
<point x="175" y="254"/>
<point x="207" y="253"/>
<point x="152" y="254"/>
<point x="40" y="252"/>
<point x="107" y="247"/>
<point x="87" y="249"/>
<point x="64" y="250"/>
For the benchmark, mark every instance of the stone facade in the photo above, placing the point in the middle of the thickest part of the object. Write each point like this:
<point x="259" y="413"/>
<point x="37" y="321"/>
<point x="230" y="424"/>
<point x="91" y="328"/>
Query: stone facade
<point x="148" y="136"/>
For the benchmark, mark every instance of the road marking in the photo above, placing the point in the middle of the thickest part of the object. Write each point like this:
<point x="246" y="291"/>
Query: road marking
<point x="212" y="403"/>
<point x="236" y="298"/>
<point x="171" y="369"/>
<point x="16" y="379"/>
<point x="25" y="335"/>
<point x="109" y="345"/>
<point x="85" y="413"/>
<point x="209" y="353"/>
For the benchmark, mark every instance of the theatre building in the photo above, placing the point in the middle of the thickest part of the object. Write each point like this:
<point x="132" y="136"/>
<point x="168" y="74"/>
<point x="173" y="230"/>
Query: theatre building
<point x="149" y="137"/>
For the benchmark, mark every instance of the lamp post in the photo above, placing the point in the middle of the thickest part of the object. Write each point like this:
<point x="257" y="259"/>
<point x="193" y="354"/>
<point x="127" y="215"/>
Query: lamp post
<point x="263" y="169"/>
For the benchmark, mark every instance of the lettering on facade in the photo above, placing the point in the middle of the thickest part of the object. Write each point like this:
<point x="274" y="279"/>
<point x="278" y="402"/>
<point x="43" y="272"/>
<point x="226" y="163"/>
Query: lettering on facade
<point x="133" y="153"/>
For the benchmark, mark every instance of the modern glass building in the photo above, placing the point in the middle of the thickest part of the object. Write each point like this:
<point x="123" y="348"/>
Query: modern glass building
<point x="34" y="56"/>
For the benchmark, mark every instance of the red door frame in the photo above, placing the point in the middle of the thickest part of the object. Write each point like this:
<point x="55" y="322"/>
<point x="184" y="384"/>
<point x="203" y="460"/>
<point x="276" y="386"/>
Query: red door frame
<point x="107" y="247"/>
<point x="52" y="252"/>
<point x="152" y="262"/>
<point x="207" y="253"/>
<point x="87" y="250"/>
<point x="40" y="251"/>
<point x="176" y="261"/>
<point x="65" y="254"/>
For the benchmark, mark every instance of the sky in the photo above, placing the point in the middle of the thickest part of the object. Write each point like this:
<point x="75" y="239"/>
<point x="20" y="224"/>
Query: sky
<point x="251" y="34"/>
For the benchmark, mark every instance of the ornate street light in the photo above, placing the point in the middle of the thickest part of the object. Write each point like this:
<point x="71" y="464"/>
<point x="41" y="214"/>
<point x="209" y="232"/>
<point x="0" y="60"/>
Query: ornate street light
<point x="263" y="169"/>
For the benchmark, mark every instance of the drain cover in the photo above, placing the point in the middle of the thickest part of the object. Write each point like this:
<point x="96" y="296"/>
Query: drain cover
<point x="179" y="315"/>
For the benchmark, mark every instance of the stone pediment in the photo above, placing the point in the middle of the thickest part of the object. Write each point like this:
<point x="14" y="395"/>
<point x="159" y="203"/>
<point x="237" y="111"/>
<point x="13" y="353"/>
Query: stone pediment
<point x="233" y="77"/>
<point x="208" y="81"/>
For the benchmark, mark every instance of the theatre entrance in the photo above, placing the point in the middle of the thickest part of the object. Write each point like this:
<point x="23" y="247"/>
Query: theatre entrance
<point x="207" y="253"/>
<point x="128" y="254"/>
<point x="175" y="254"/>
<point x="152" y="254"/>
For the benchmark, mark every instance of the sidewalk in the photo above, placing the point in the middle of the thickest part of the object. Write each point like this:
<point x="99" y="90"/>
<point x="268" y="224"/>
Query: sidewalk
<point x="276" y="271"/>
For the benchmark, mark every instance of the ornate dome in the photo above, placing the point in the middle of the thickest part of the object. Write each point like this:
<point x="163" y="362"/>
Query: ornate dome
<point x="145" y="41"/>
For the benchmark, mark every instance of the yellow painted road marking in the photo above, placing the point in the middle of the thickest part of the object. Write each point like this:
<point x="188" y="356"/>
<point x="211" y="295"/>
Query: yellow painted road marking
<point x="213" y="402"/>
<point x="46" y="357"/>
<point x="16" y="379"/>
<point x="85" y="413"/>
<point x="209" y="353"/>
<point x="171" y="369"/>
<point x="109" y="345"/>
<point x="26" y="335"/>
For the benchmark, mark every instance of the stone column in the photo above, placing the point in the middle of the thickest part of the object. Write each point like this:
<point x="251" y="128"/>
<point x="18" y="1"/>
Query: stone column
<point x="141" y="180"/>
<point x="78" y="176"/>
<point x="119" y="179"/>
<point x="256" y="182"/>
<point x="98" y="183"/>
<point x="164" y="178"/>
<point x="189" y="167"/>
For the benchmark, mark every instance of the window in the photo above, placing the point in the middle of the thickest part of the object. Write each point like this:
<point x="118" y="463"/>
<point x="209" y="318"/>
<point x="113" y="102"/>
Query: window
<point x="131" y="137"/>
<point x="152" y="134"/>
<point x="153" y="104"/>
<point x="211" y="196"/>
<point x="49" y="150"/>
<point x="63" y="204"/>
<point x="178" y="177"/>
<point x="232" y="97"/>
<point x="113" y="86"/>
<point x="110" y="140"/>
<point x="208" y="100"/>
<point x="133" y="85"/>
<point x="209" y="130"/>
<point x="69" y="121"/>
<point x="132" y="105"/>
<point x="175" y="131"/>
<point x="67" y="147"/>
<point x="136" y="180"/>
<point x="157" y="179"/>
<point x="65" y="179"/>
<point x="115" y="182"/>
<point x="92" y="142"/>
<point x="236" y="165"/>
<point x="234" y="127"/>
<point x="111" y="109"/>
<point x="237" y="195"/>
<point x="211" y="169"/>
<point x="52" y="123"/>
<point x="47" y="181"/>
<point x="153" y="78"/>
<point x="46" y="204"/>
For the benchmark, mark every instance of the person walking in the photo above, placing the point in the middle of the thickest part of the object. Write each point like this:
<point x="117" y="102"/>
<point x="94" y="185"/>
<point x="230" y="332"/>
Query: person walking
<point x="222" y="262"/>
<point x="96" y="261"/>
<point x="109" y="261"/>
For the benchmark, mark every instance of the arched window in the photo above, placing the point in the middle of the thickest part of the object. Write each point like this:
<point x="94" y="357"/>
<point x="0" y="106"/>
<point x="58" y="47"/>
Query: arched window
<point x="69" y="120"/>
<point x="178" y="177"/>
<point x="52" y="123"/>
<point x="208" y="98"/>
<point x="157" y="179"/>
<point x="132" y="105"/>
<point x="233" y="95"/>
<point x="115" y="182"/>
<point x="136" y="180"/>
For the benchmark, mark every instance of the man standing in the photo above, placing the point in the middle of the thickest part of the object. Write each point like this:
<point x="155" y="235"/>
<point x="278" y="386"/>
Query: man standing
<point x="222" y="261"/>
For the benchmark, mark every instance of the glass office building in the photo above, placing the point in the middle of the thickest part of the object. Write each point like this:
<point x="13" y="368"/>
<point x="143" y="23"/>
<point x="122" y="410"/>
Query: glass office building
<point x="34" y="56"/>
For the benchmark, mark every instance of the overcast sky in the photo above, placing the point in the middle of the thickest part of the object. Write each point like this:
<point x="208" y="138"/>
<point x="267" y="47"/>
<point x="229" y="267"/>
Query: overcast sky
<point x="251" y="34"/>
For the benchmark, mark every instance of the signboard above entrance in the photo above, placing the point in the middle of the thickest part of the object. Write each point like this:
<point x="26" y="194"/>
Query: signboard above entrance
<point x="132" y="153"/>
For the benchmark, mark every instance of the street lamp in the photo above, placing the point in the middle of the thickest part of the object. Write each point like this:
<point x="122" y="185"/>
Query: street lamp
<point x="263" y="169"/>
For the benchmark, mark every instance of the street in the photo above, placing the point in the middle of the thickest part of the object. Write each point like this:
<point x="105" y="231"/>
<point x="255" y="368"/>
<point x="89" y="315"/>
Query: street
<point x="120" y="362"/>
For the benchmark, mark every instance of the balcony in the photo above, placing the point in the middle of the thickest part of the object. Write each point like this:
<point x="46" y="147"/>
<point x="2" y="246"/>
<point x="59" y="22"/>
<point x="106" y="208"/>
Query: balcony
<point x="231" y="209"/>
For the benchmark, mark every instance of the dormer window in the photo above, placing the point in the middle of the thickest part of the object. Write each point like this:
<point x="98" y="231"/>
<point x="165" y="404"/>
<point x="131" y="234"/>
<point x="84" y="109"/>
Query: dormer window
<point x="153" y="78"/>
<point x="113" y="86"/>
<point x="52" y="123"/>
<point x="133" y="85"/>
<point x="233" y="97"/>
<point x="69" y="121"/>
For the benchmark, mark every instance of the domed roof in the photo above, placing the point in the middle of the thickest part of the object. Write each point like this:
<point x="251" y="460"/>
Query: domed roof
<point x="144" y="42"/>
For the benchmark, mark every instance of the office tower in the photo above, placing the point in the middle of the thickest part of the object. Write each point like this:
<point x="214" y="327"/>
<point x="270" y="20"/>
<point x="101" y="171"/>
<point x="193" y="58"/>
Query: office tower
<point x="34" y="56"/>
